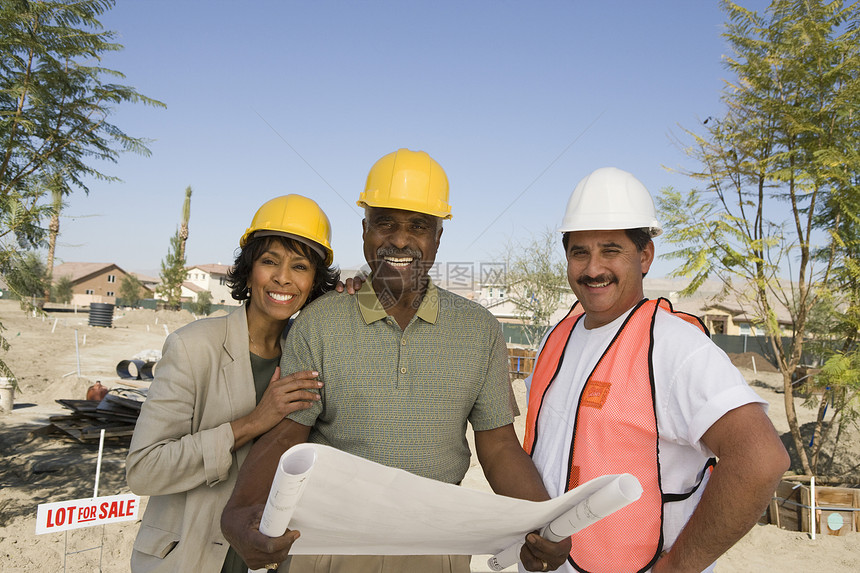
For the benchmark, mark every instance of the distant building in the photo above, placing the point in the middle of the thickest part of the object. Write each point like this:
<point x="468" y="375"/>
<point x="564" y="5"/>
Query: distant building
<point x="722" y="315"/>
<point x="147" y="281"/>
<point x="92" y="282"/>
<point x="208" y="277"/>
<point x="493" y="297"/>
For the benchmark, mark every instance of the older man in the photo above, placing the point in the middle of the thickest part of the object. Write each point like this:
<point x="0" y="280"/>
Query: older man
<point x="405" y="365"/>
<point x="625" y="384"/>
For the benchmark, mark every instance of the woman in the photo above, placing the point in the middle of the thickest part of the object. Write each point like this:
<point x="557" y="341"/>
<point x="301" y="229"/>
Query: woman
<point x="217" y="387"/>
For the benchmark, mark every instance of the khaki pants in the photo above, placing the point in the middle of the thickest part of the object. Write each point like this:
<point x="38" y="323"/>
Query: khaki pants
<point x="380" y="564"/>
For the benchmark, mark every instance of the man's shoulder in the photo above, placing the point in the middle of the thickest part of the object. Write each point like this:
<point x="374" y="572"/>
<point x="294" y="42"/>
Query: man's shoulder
<point x="325" y="305"/>
<point x="462" y="307"/>
<point x="672" y="325"/>
<point x="683" y="340"/>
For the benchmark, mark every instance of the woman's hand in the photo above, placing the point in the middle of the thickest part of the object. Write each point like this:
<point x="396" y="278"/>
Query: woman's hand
<point x="282" y="397"/>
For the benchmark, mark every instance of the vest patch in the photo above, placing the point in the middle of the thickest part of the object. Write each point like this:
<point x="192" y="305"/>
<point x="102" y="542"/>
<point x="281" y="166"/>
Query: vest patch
<point x="596" y="394"/>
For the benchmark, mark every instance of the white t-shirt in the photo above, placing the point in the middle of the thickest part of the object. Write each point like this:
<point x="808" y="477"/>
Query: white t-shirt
<point x="695" y="384"/>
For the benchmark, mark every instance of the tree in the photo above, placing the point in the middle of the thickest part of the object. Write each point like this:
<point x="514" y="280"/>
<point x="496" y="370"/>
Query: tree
<point x="173" y="266"/>
<point x="62" y="290"/>
<point x="172" y="274"/>
<point x="130" y="290"/>
<point x="28" y="280"/>
<point x="777" y="167"/>
<point x="204" y="303"/>
<point x="186" y="215"/>
<point x="55" y="106"/>
<point x="53" y="228"/>
<point x="536" y="282"/>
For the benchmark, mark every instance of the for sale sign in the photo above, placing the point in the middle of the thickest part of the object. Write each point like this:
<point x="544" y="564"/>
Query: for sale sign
<point x="62" y="515"/>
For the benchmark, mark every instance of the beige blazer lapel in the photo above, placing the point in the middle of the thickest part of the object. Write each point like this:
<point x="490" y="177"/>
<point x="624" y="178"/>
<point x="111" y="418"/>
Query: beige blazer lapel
<point x="236" y="372"/>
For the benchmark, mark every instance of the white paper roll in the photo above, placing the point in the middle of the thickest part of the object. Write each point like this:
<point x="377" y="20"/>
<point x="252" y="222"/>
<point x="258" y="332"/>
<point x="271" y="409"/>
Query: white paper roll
<point x="622" y="491"/>
<point x="294" y="467"/>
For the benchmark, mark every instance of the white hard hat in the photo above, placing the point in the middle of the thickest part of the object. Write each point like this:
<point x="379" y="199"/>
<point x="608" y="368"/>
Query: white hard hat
<point x="608" y="199"/>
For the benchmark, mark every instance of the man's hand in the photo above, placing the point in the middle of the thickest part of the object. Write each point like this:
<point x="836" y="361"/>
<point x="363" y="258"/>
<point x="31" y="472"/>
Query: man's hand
<point x="539" y="554"/>
<point x="352" y="285"/>
<point x="241" y="527"/>
<point x="240" y="520"/>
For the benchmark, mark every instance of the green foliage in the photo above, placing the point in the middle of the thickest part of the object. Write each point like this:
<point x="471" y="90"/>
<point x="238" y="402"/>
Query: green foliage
<point x="536" y="282"/>
<point x="61" y="291"/>
<point x="838" y="385"/>
<point x="55" y="102"/>
<point x="203" y="305"/>
<point x="172" y="274"/>
<point x="778" y="170"/>
<point x="55" y="106"/>
<point x="130" y="290"/>
<point x="27" y="279"/>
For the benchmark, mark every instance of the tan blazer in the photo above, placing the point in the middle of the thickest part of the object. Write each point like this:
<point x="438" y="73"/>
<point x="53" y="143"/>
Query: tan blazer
<point x="180" y="452"/>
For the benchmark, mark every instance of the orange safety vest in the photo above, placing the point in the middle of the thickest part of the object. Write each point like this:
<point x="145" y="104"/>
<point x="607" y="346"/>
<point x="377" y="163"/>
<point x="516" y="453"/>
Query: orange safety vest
<point x="614" y="432"/>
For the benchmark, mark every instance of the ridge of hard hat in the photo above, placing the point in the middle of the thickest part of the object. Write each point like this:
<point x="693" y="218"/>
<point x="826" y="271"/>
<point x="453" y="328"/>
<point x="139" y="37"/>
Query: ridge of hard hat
<point x="295" y="217"/>
<point x="609" y="198"/>
<point x="407" y="180"/>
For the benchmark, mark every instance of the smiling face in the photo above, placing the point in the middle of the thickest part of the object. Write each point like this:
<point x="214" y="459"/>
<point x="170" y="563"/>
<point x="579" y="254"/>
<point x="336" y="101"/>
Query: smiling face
<point x="280" y="282"/>
<point x="400" y="247"/>
<point x="605" y="271"/>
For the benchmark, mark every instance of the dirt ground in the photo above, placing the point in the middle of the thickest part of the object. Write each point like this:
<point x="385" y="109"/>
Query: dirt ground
<point x="60" y="356"/>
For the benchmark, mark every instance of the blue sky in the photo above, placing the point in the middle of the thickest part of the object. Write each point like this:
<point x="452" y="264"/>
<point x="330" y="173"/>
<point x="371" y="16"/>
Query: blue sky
<point x="516" y="100"/>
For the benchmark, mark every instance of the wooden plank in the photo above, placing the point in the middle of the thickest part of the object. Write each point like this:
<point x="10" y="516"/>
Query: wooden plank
<point x="786" y="506"/>
<point x="79" y="405"/>
<point x="117" y="400"/>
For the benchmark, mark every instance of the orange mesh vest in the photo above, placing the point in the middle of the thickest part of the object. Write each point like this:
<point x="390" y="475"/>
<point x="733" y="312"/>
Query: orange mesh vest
<point x="615" y="431"/>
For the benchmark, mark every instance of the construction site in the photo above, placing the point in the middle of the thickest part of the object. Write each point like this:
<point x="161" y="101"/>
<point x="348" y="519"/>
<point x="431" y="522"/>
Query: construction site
<point x="50" y="441"/>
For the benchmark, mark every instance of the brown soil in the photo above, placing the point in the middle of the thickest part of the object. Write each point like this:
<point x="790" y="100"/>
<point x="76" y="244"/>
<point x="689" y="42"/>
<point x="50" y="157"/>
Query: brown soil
<point x="752" y="361"/>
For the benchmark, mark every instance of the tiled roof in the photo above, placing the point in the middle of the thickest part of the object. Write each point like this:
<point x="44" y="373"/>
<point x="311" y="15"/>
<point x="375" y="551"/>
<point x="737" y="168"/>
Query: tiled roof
<point x="193" y="287"/>
<point x="79" y="271"/>
<point x="213" y="269"/>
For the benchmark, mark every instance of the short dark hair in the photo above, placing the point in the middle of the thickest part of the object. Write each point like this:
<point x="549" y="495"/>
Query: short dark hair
<point x="237" y="278"/>
<point x="640" y="238"/>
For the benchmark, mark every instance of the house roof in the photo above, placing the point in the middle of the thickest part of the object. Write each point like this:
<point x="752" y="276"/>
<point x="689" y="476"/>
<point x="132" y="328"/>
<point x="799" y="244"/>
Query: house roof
<point x="193" y="287"/>
<point x="145" y="279"/>
<point x="740" y="311"/>
<point x="80" y="271"/>
<point x="213" y="269"/>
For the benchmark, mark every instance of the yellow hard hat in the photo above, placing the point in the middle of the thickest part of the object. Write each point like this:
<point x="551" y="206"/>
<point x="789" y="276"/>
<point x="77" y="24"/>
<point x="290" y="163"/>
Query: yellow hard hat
<point x="408" y="180"/>
<point x="296" y="217"/>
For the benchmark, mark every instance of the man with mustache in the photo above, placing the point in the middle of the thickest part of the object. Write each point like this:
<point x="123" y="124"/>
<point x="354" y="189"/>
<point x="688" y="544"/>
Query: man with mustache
<point x="627" y="385"/>
<point x="404" y="365"/>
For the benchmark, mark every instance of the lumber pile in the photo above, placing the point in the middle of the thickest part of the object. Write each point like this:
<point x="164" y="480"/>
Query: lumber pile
<point x="116" y="413"/>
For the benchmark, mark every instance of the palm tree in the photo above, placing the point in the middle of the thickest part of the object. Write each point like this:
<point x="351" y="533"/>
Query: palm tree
<point x="53" y="233"/>
<point x="183" y="228"/>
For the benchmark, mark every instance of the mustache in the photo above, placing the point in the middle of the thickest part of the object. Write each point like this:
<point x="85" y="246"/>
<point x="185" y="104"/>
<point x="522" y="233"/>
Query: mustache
<point x="582" y="280"/>
<point x="398" y="253"/>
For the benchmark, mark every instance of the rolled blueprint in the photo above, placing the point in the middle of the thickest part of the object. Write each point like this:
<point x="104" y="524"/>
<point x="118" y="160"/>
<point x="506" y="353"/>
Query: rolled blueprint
<point x="290" y="480"/>
<point x="622" y="491"/>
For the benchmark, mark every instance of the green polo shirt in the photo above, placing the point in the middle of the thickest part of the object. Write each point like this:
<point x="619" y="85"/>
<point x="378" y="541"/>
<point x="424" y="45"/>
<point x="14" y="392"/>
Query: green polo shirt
<point x="402" y="397"/>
